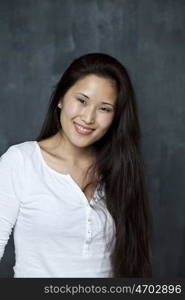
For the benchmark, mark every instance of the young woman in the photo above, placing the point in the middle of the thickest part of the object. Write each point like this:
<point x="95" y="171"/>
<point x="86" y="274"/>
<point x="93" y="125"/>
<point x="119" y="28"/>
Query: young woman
<point x="76" y="196"/>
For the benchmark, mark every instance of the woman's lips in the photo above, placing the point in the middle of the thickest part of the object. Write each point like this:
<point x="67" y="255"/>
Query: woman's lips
<point x="82" y="130"/>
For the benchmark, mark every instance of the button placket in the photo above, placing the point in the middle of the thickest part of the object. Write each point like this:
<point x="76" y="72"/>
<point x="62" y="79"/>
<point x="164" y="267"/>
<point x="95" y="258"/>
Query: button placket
<point x="88" y="231"/>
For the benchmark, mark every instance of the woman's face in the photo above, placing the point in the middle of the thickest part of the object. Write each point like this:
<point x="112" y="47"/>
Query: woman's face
<point x="88" y="109"/>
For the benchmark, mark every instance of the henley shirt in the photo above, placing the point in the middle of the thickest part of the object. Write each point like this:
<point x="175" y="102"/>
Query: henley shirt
<point x="57" y="231"/>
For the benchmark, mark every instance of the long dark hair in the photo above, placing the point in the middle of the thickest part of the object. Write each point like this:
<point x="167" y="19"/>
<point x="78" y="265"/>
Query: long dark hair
<point x="119" y="162"/>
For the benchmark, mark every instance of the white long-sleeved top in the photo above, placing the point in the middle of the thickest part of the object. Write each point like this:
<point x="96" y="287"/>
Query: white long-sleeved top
<point x="57" y="231"/>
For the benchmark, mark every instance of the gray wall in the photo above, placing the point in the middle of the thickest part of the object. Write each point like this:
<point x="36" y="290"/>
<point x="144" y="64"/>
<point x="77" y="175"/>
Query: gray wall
<point x="38" y="41"/>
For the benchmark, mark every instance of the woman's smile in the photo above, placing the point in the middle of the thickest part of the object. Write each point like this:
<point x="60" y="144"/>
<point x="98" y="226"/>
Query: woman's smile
<point x="83" y="130"/>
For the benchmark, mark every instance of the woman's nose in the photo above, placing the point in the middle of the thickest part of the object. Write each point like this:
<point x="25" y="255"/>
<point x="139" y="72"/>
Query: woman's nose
<point x="89" y="116"/>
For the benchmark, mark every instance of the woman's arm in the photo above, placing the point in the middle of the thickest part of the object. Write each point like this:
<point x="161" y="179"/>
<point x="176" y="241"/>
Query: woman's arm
<point x="11" y="164"/>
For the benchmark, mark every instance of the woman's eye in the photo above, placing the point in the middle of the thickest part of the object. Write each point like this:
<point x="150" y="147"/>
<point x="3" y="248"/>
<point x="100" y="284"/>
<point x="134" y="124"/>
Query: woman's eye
<point x="81" y="100"/>
<point x="106" y="109"/>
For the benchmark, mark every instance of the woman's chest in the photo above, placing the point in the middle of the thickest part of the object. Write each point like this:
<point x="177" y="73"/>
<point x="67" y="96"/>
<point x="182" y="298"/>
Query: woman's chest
<point x="59" y="208"/>
<point x="78" y="173"/>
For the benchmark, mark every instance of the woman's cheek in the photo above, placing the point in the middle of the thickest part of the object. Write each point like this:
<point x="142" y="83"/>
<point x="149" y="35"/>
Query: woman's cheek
<point x="105" y="121"/>
<point x="72" y="109"/>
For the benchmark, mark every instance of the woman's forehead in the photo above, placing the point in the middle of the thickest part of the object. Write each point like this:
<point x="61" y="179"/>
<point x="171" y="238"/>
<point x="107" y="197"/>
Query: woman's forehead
<point x="96" y="87"/>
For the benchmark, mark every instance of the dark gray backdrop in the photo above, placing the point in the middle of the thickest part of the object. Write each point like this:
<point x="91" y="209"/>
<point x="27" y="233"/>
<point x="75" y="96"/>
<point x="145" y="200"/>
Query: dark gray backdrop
<point x="38" y="41"/>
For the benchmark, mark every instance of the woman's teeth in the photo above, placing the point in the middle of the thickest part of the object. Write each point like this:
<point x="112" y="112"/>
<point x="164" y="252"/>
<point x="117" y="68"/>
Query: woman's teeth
<point x="81" y="130"/>
<point x="84" y="129"/>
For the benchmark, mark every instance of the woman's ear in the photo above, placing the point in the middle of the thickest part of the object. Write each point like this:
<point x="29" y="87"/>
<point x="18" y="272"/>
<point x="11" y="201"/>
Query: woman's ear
<point x="60" y="105"/>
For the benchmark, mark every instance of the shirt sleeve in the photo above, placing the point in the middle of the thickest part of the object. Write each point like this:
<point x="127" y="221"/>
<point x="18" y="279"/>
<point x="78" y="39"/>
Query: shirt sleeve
<point x="10" y="194"/>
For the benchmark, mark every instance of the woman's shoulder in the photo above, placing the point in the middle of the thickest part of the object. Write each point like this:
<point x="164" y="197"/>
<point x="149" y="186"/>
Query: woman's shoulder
<point x="16" y="152"/>
<point x="23" y="146"/>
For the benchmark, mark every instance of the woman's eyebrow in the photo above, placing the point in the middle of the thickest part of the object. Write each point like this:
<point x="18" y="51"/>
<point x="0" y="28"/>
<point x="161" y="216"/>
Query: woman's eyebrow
<point x="83" y="95"/>
<point x="102" y="102"/>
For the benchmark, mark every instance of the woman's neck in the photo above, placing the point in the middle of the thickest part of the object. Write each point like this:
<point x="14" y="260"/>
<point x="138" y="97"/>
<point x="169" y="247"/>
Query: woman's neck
<point x="75" y="155"/>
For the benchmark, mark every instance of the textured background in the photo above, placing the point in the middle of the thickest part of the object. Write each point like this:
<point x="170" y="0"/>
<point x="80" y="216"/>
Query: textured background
<point x="38" y="41"/>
